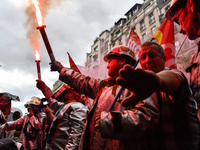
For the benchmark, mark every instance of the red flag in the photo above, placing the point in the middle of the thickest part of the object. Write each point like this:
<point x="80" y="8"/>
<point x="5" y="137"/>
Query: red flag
<point x="72" y="64"/>
<point x="133" y="42"/>
<point x="165" y="37"/>
<point x="75" y="68"/>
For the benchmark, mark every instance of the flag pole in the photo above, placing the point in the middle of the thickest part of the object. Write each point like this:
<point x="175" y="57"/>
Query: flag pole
<point x="181" y="46"/>
<point x="121" y="90"/>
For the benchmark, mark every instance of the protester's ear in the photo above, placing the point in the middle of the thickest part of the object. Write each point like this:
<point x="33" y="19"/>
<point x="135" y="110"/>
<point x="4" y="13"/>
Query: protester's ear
<point x="123" y="61"/>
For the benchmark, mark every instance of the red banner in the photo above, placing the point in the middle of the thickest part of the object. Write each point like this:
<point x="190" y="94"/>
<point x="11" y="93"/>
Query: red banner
<point x="165" y="37"/>
<point x="133" y="42"/>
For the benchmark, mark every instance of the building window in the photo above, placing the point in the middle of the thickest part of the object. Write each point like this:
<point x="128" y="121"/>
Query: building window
<point x="119" y="24"/>
<point x="95" y="57"/>
<point x="134" y="29"/>
<point x="135" y="11"/>
<point x="129" y="15"/>
<point x="120" y="41"/>
<point x="161" y="18"/>
<point x="151" y="18"/>
<point x="127" y="35"/>
<point x="147" y="9"/>
<point x="106" y="44"/>
<point x="166" y="8"/>
<point x="96" y="49"/>
<point x="90" y="58"/>
<point x="144" y="37"/>
<point x="153" y="30"/>
<point x="142" y="25"/>
<point x="118" y="34"/>
<point x="135" y="20"/>
<point x="128" y="25"/>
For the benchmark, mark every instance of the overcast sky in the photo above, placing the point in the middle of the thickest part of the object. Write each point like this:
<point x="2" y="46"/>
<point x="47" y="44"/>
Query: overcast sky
<point x="71" y="26"/>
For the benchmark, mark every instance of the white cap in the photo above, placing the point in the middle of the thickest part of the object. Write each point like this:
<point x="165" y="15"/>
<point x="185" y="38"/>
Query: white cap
<point x="123" y="51"/>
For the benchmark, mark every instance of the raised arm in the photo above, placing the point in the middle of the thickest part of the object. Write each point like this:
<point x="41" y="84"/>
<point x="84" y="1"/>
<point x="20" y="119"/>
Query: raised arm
<point x="143" y="83"/>
<point x="44" y="89"/>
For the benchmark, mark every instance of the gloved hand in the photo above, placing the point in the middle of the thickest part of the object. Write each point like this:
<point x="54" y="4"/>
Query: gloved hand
<point x="41" y="85"/>
<point x="57" y="66"/>
<point x="44" y="88"/>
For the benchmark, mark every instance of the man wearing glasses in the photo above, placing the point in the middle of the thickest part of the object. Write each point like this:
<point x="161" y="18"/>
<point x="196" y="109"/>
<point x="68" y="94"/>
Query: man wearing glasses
<point x="187" y="14"/>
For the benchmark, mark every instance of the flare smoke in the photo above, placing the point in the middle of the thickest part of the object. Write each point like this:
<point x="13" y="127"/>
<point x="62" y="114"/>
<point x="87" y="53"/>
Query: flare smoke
<point x="32" y="34"/>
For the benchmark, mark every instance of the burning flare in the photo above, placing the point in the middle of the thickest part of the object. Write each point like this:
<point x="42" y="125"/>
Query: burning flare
<point x="42" y="31"/>
<point x="37" y="55"/>
<point x="38" y="12"/>
<point x="37" y="60"/>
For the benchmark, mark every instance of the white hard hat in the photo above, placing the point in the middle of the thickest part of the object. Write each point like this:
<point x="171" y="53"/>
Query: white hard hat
<point x="176" y="5"/>
<point x="121" y="51"/>
<point x="59" y="87"/>
<point x="33" y="101"/>
<point x="5" y="98"/>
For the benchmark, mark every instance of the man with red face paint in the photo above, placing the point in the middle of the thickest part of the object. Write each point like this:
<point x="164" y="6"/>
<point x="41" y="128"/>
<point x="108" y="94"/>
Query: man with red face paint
<point x="177" y="110"/>
<point x="187" y="14"/>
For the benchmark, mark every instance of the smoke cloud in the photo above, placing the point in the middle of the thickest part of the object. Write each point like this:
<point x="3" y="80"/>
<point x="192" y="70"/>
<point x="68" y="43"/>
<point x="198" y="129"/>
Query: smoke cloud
<point x="99" y="71"/>
<point x="32" y="34"/>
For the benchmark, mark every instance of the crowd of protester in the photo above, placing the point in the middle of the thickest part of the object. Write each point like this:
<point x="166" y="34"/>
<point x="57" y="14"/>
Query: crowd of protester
<point x="157" y="110"/>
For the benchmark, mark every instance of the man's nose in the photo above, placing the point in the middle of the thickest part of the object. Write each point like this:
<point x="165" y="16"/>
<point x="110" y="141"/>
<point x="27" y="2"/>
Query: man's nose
<point x="107" y="66"/>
